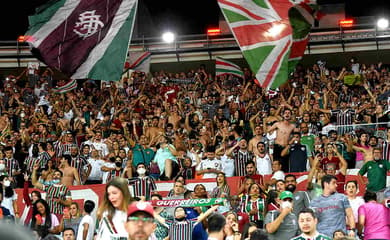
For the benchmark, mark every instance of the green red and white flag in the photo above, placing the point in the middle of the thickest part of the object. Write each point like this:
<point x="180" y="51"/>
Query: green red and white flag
<point x="272" y="35"/>
<point x="139" y="61"/>
<point x="72" y="84"/>
<point x="83" y="38"/>
<point x="225" y="67"/>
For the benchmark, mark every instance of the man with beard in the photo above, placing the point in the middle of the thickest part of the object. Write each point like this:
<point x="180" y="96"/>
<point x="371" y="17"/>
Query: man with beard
<point x="301" y="198"/>
<point x="376" y="172"/>
<point x="283" y="131"/>
<point x="250" y="169"/>
<point x="181" y="228"/>
<point x="254" y="142"/>
<point x="307" y="221"/>
<point x="140" y="221"/>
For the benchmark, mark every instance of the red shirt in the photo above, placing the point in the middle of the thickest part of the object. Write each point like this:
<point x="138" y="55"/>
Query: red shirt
<point x="326" y="160"/>
<point x="340" y="182"/>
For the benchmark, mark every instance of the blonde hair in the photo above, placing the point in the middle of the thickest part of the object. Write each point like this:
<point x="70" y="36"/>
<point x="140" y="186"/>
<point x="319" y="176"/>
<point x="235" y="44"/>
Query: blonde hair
<point x="106" y="205"/>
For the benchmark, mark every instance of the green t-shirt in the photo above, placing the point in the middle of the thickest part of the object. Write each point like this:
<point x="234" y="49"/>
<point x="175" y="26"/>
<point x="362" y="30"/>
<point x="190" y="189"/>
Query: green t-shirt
<point x="142" y="155"/>
<point x="376" y="174"/>
<point x="319" y="236"/>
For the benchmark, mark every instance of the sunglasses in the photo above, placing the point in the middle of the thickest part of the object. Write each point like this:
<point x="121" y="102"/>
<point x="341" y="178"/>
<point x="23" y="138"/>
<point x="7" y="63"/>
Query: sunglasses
<point x="140" y="219"/>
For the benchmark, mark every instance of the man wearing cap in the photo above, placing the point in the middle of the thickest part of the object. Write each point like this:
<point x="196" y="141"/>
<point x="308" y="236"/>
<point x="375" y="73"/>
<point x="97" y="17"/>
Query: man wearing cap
<point x="282" y="224"/>
<point x="140" y="221"/>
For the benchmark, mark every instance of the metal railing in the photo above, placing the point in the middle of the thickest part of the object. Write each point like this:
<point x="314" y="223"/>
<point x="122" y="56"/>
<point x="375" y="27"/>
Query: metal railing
<point x="205" y="47"/>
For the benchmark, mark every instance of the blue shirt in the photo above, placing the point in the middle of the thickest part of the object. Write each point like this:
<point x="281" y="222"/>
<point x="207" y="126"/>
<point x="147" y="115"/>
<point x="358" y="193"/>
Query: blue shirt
<point x="331" y="213"/>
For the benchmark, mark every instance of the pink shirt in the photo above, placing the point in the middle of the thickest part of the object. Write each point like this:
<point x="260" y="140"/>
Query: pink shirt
<point x="377" y="222"/>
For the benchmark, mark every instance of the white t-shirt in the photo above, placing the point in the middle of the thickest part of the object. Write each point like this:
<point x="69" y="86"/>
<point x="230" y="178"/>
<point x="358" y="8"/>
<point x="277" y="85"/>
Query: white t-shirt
<point x="263" y="164"/>
<point x="106" y="175"/>
<point x="91" y="227"/>
<point x="8" y="203"/>
<point x="96" y="172"/>
<point x="227" y="165"/>
<point x="278" y="175"/>
<point x="210" y="164"/>
<point x="355" y="204"/>
<point x="119" y="220"/>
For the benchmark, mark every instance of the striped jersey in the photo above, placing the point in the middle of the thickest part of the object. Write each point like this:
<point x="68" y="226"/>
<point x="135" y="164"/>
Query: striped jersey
<point x="240" y="159"/>
<point x="64" y="148"/>
<point x="44" y="157"/>
<point x="218" y="191"/>
<point x="143" y="186"/>
<point x="53" y="192"/>
<point x="247" y="205"/>
<point x="11" y="165"/>
<point x="29" y="163"/>
<point x="181" y="230"/>
<point x="344" y="117"/>
<point x="79" y="163"/>
<point x="318" y="236"/>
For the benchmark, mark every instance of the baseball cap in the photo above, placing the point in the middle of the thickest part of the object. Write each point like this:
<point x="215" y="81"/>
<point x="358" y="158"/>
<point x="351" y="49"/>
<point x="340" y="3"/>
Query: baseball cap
<point x="140" y="207"/>
<point x="286" y="194"/>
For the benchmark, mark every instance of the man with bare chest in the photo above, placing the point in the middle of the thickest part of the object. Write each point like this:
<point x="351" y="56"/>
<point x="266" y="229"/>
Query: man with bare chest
<point x="70" y="174"/>
<point x="283" y="130"/>
<point x="153" y="131"/>
<point x="259" y="137"/>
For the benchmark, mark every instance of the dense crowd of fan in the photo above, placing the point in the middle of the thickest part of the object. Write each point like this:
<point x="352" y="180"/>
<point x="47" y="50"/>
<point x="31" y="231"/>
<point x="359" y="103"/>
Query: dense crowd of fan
<point x="193" y="125"/>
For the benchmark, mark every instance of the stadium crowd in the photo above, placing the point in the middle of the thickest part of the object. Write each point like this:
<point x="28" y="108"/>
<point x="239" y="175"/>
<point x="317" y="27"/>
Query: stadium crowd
<point x="193" y="125"/>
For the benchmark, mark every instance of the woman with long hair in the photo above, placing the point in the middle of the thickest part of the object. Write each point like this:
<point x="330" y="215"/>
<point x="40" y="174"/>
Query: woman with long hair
<point x="362" y="142"/>
<point x="44" y="222"/>
<point x="72" y="218"/>
<point x="9" y="196"/>
<point x="231" y="226"/>
<point x="222" y="189"/>
<point x="112" y="212"/>
<point x="28" y="210"/>
<point x="254" y="205"/>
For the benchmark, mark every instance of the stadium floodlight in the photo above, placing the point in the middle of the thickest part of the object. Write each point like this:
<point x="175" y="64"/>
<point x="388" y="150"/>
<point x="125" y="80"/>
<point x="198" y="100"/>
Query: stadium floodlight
<point x="168" y="37"/>
<point x="382" y="23"/>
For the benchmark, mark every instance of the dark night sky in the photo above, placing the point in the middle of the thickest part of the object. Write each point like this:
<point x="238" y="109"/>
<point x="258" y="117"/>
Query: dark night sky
<point x="183" y="16"/>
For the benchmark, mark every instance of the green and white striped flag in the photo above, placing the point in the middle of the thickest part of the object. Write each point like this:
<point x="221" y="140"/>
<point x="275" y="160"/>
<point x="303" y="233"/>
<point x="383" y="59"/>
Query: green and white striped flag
<point x="272" y="35"/>
<point x="72" y="84"/>
<point x="83" y="38"/>
<point x="224" y="67"/>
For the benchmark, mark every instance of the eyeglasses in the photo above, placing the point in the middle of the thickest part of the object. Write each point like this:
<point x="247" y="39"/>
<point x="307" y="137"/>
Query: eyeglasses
<point x="140" y="219"/>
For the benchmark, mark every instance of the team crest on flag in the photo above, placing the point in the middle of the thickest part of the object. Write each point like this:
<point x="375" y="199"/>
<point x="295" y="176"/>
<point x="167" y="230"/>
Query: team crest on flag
<point x="272" y="35"/>
<point x="83" y="38"/>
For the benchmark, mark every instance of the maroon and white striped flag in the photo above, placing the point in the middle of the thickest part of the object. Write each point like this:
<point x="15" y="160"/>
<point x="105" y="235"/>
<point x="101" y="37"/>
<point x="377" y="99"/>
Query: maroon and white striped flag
<point x="83" y="38"/>
<point x="139" y="61"/>
<point x="223" y="67"/>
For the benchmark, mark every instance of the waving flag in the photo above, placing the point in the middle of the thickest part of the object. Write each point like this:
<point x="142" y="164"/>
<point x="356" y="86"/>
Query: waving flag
<point x="83" y="38"/>
<point x="272" y="35"/>
<point x="224" y="67"/>
<point x="72" y="84"/>
<point x="139" y="61"/>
